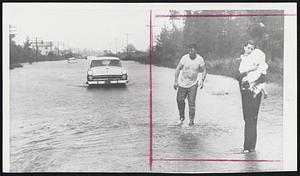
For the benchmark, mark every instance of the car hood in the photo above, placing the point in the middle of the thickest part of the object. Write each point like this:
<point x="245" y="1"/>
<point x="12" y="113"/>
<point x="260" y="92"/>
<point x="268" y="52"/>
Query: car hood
<point x="107" y="70"/>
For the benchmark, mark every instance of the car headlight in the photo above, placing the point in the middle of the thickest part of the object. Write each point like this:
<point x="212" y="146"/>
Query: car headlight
<point x="90" y="72"/>
<point x="90" y="77"/>
<point x="124" y="76"/>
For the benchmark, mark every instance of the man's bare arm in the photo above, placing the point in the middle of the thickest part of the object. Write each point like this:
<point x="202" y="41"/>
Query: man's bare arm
<point x="177" y="71"/>
<point x="201" y="82"/>
<point x="204" y="73"/>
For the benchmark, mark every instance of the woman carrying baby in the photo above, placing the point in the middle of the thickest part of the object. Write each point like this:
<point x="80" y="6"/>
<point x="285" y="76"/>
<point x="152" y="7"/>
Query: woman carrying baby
<point x="251" y="77"/>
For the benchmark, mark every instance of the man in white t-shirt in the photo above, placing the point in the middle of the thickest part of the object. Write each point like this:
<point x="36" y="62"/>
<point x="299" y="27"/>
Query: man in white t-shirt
<point x="190" y="66"/>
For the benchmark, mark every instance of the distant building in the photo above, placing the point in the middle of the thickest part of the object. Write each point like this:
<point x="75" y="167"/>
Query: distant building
<point x="46" y="48"/>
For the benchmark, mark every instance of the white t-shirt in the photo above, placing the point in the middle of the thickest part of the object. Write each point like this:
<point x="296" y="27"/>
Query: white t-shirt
<point x="190" y="70"/>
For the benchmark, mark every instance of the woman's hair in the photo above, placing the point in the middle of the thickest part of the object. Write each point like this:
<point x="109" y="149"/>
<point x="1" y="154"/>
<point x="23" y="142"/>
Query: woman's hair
<point x="251" y="42"/>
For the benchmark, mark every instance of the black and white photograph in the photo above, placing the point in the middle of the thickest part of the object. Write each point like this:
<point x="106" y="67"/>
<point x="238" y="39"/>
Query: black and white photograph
<point x="149" y="87"/>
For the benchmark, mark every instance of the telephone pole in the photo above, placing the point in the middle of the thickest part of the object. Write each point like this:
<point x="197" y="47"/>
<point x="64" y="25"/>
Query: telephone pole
<point x="37" y="42"/>
<point x="58" y="48"/>
<point x="153" y="27"/>
<point x="116" y="46"/>
<point x="36" y="50"/>
<point x="12" y="32"/>
<point x="127" y="43"/>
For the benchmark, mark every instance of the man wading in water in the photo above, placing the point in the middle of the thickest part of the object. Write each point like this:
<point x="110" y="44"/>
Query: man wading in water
<point x="190" y="66"/>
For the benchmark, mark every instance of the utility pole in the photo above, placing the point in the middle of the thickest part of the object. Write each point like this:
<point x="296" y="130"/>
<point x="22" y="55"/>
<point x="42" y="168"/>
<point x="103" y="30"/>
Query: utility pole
<point x="36" y="49"/>
<point x="127" y="43"/>
<point x="116" y="46"/>
<point x="12" y="34"/>
<point x="153" y="26"/>
<point x="36" y="42"/>
<point x="58" y="48"/>
<point x="51" y="52"/>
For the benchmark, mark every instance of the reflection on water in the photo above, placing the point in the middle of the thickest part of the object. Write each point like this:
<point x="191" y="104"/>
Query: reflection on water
<point x="187" y="144"/>
<point x="251" y="166"/>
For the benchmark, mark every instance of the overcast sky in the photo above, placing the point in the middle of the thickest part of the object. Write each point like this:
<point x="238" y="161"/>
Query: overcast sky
<point x="99" y="26"/>
<point x="81" y="25"/>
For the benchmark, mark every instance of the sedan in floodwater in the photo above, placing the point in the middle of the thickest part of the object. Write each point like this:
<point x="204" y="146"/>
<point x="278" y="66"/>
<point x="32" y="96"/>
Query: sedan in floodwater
<point x="106" y="70"/>
<point x="72" y="60"/>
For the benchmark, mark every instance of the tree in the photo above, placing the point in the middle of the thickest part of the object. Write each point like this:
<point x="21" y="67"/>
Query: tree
<point x="29" y="54"/>
<point x="169" y="47"/>
<point x="220" y="37"/>
<point x="27" y="43"/>
<point x="130" y="48"/>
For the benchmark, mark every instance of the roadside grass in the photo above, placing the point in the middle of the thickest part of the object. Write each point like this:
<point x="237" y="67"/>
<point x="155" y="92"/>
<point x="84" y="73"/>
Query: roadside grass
<point x="228" y="67"/>
<point x="225" y="67"/>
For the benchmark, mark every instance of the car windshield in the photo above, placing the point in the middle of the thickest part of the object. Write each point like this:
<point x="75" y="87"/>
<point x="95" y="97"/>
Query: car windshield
<point x="99" y="63"/>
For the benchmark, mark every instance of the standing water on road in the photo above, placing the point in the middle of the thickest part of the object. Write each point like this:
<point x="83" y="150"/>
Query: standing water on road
<point x="219" y="130"/>
<point x="59" y="124"/>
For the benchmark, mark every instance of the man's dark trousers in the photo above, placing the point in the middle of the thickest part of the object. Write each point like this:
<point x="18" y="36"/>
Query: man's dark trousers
<point x="190" y="93"/>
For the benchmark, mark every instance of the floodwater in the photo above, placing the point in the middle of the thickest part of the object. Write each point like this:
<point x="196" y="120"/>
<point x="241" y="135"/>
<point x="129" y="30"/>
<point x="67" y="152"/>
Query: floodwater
<point x="218" y="133"/>
<point x="58" y="124"/>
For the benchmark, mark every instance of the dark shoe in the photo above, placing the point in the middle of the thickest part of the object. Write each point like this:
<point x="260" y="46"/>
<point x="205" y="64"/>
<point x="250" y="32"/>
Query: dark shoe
<point x="191" y="124"/>
<point x="179" y="123"/>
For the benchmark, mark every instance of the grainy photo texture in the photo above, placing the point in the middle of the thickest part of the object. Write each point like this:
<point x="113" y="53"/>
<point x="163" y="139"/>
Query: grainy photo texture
<point x="153" y="88"/>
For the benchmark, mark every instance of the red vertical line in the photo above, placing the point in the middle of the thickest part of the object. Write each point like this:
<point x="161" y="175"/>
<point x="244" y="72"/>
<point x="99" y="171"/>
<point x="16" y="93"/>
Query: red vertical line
<point x="150" y="65"/>
<point x="225" y="15"/>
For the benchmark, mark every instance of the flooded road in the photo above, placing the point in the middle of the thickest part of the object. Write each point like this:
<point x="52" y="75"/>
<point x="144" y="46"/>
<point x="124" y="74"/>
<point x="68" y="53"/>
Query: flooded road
<point x="58" y="124"/>
<point x="218" y="133"/>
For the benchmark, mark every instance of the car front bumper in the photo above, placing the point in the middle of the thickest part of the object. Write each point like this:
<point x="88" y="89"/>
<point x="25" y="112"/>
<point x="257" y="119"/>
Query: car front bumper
<point x="107" y="82"/>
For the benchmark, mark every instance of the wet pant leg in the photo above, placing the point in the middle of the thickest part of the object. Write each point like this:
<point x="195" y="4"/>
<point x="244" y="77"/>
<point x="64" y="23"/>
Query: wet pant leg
<point x="192" y="92"/>
<point x="181" y="96"/>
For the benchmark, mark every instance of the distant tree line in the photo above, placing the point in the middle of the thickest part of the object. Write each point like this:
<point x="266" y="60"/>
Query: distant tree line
<point x="128" y="53"/>
<point x="220" y="39"/>
<point x="24" y="54"/>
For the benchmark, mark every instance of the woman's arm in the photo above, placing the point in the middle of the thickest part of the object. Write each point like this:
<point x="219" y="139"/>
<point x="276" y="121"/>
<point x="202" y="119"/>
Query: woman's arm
<point x="261" y="79"/>
<point x="238" y="75"/>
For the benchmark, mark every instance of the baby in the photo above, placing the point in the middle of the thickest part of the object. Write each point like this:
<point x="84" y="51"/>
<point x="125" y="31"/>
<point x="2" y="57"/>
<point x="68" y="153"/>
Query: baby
<point x="259" y="66"/>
